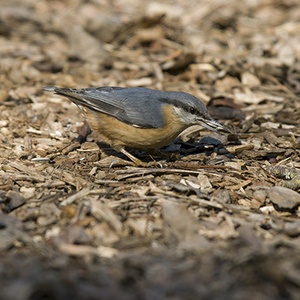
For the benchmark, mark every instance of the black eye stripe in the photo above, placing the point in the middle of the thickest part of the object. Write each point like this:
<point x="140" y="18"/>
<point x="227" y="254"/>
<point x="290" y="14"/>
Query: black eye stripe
<point x="186" y="107"/>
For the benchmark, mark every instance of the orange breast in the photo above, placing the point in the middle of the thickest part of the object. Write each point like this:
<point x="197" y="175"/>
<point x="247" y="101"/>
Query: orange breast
<point x="118" y="134"/>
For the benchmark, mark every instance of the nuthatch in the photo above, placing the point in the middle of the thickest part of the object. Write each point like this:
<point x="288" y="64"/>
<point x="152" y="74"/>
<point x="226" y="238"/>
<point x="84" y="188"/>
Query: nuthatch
<point x="139" y="118"/>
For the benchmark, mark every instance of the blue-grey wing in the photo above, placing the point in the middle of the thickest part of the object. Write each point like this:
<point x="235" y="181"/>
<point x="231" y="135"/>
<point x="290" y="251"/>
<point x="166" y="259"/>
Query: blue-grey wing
<point x="134" y="106"/>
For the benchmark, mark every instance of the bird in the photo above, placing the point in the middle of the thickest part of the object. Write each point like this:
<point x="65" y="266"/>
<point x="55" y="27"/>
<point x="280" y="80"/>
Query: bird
<point x="138" y="117"/>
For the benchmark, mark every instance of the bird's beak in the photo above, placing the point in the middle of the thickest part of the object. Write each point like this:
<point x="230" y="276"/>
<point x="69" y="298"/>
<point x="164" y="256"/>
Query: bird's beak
<point x="213" y="125"/>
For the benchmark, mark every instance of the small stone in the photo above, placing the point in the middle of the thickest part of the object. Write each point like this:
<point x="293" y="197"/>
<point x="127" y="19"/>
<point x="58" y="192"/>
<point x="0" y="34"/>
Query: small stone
<point x="283" y="198"/>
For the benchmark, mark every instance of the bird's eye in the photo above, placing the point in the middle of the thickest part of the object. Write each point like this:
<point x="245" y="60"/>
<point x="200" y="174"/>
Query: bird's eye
<point x="192" y="110"/>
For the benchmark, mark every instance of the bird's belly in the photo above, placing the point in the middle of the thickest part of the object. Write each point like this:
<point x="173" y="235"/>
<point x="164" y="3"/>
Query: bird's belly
<point x="118" y="133"/>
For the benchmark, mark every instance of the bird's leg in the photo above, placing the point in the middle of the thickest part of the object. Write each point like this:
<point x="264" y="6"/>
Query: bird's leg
<point x="83" y="132"/>
<point x="136" y="161"/>
<point x="121" y="149"/>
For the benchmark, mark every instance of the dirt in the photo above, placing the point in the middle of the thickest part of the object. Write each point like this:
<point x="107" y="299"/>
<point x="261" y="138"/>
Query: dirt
<point x="210" y="216"/>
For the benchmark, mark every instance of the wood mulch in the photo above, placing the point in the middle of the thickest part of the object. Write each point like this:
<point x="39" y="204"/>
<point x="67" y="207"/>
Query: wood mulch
<point x="210" y="217"/>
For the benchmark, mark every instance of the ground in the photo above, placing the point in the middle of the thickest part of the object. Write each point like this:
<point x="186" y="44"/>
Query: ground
<point x="213" y="216"/>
